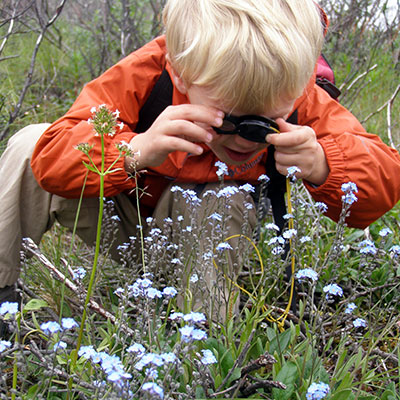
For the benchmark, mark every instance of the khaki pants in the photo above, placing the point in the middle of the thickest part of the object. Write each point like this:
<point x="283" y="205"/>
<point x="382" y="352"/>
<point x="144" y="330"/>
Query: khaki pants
<point x="26" y="210"/>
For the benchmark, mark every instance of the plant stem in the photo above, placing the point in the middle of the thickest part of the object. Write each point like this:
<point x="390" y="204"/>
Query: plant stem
<point x="97" y="248"/>
<point x="140" y="223"/>
<point x="15" y="367"/>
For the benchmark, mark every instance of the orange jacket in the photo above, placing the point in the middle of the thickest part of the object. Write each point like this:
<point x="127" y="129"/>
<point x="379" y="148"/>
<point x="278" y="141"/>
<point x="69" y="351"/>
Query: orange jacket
<point x="351" y="153"/>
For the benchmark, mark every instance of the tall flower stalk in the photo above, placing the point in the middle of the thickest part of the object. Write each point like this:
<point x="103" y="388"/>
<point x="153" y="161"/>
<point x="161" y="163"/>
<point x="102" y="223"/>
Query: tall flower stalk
<point x="104" y="124"/>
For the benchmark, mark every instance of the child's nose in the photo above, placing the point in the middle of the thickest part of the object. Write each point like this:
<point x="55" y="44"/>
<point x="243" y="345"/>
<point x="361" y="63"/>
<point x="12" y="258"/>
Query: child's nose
<point x="244" y="143"/>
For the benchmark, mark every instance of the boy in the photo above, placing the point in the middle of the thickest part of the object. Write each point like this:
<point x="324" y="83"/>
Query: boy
<point x="226" y="59"/>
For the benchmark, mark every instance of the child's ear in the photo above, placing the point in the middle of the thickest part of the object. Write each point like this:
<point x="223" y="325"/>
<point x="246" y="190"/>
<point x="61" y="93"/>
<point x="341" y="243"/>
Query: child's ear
<point x="178" y="81"/>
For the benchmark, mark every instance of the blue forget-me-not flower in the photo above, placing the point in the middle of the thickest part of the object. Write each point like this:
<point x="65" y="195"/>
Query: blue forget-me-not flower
<point x="208" y="357"/>
<point x="247" y="188"/>
<point x="394" y="250"/>
<point x="263" y="178"/>
<point x="60" y="345"/>
<point x="349" y="189"/>
<point x="227" y="192"/>
<point x="69" y="323"/>
<point x="190" y="333"/>
<point x="385" y="232"/>
<point x="153" y="389"/>
<point x="317" y="391"/>
<point x="50" y="327"/>
<point x="169" y="291"/>
<point x="194" y="317"/>
<point x="321" y="207"/>
<point x="350" y="308"/>
<point x="360" y="323"/>
<point x="78" y="273"/>
<point x="306" y="274"/>
<point x="291" y="172"/>
<point x="333" y="290"/>
<point x="367" y="247"/>
<point x="223" y="246"/>
<point x="8" y="308"/>
<point x="136" y="348"/>
<point x="222" y="169"/>
<point x="4" y="344"/>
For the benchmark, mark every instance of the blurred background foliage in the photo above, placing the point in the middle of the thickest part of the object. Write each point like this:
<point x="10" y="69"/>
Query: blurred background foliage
<point x="50" y="48"/>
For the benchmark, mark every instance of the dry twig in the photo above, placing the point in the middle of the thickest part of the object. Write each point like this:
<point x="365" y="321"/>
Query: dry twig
<point x="28" y="80"/>
<point x="31" y="247"/>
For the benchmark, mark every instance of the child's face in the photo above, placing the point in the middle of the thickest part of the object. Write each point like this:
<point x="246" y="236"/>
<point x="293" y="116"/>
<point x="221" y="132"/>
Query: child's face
<point x="233" y="149"/>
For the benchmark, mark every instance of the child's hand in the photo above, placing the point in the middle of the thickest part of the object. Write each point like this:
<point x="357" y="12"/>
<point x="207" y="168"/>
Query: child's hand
<point x="177" y="128"/>
<point x="298" y="146"/>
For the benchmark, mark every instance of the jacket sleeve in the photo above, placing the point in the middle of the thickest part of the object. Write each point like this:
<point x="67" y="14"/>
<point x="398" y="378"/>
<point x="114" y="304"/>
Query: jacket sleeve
<point x="58" y="166"/>
<point x="353" y="156"/>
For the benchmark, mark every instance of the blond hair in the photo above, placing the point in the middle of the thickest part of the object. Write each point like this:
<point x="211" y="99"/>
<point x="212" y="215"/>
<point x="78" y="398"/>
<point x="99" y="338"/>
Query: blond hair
<point x="249" y="53"/>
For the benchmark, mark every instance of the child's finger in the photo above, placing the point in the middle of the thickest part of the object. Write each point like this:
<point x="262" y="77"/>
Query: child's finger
<point x="292" y="140"/>
<point x="174" y="143"/>
<point x="195" y="113"/>
<point x="189" y="131"/>
<point x="285" y="126"/>
<point x="287" y="140"/>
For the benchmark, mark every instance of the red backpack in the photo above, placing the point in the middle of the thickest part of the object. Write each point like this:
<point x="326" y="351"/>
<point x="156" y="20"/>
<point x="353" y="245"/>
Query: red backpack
<point x="326" y="77"/>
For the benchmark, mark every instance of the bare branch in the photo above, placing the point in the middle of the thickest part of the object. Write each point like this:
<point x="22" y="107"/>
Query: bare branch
<point x="30" y="246"/>
<point x="10" y="29"/>
<point x="8" y="57"/>
<point x="359" y="77"/>
<point x="28" y="79"/>
<point x="388" y="104"/>
<point x="389" y="115"/>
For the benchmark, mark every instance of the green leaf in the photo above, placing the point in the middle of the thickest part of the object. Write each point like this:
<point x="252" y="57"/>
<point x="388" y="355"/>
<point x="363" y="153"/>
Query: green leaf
<point x="283" y="394"/>
<point x="280" y="342"/>
<point x="61" y="360"/>
<point x="368" y="398"/>
<point x="323" y="374"/>
<point x="341" y="359"/>
<point x="218" y="380"/>
<point x="35" y="304"/>
<point x="257" y="349"/>
<point x="271" y="334"/>
<point x="35" y="321"/>
<point x="345" y="382"/>
<point x="260" y="347"/>
<point x="288" y="373"/>
<point x="225" y="358"/>
<point x="74" y="358"/>
<point x="32" y="392"/>
<point x="235" y="375"/>
<point x="90" y="167"/>
<point x="391" y="386"/>
<point x="200" y="393"/>
<point x="186" y="374"/>
<point x="343" y="395"/>
<point x="353" y="363"/>
<point x="388" y="394"/>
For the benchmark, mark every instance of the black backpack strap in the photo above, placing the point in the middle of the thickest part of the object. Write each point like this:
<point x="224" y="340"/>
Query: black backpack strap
<point x="160" y="98"/>
<point x="329" y="87"/>
<point x="276" y="189"/>
<point x="277" y="184"/>
<point x="293" y="117"/>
